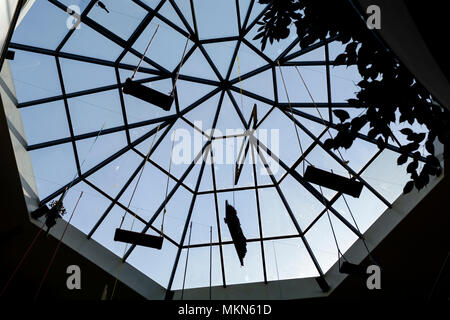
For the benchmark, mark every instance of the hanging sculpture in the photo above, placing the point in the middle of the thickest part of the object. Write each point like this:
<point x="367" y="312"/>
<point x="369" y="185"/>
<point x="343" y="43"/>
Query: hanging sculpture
<point x="234" y="226"/>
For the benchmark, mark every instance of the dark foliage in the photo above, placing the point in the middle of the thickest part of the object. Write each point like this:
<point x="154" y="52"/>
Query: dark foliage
<point x="388" y="92"/>
<point x="55" y="212"/>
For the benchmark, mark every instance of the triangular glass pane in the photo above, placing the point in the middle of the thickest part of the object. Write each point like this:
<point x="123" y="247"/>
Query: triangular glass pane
<point x="203" y="115"/>
<point x="261" y="108"/>
<point x="189" y="92"/>
<point x="260" y="84"/>
<point x="216" y="18"/>
<point x="197" y="66"/>
<point x="228" y="121"/>
<point x="221" y="54"/>
<point x="248" y="61"/>
<point x="169" y="13"/>
<point x="272" y="50"/>
<point x="185" y="8"/>
<point x="244" y="6"/>
<point x="282" y="135"/>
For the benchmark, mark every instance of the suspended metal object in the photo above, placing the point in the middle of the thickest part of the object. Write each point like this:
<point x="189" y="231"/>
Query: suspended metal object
<point x="147" y="94"/>
<point x="102" y="5"/>
<point x="139" y="239"/>
<point x="333" y="181"/>
<point x="234" y="226"/>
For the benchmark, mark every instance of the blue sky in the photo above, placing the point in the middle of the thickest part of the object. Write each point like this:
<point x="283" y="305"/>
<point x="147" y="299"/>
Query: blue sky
<point x="35" y="77"/>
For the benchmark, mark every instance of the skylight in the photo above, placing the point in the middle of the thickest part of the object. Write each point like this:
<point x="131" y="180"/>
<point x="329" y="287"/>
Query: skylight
<point x="82" y="129"/>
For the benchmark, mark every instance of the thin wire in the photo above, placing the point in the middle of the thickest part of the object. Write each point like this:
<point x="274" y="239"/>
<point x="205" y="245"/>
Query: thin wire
<point x="233" y="173"/>
<point x="11" y="277"/>
<point x="179" y="67"/>
<point x="320" y="114"/>
<point x="210" y="261"/>
<point x="276" y="267"/>
<point x="139" y="179"/>
<point x="56" y="249"/>
<point x="59" y="201"/>
<point x="240" y="84"/>
<point x="63" y="195"/>
<point x="356" y="225"/>
<point x="145" y="52"/>
<point x="134" y="218"/>
<point x="167" y="188"/>
<point x="187" y="259"/>
<point x="334" y="234"/>
<point x="292" y="114"/>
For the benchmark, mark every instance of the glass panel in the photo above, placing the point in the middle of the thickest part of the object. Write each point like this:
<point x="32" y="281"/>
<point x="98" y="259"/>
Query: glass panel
<point x="122" y="19"/>
<point x="113" y="176"/>
<point x="198" y="270"/>
<point x="252" y="271"/>
<point x="87" y="42"/>
<point x="288" y="259"/>
<point x="167" y="53"/>
<point x="92" y="152"/>
<point x="53" y="168"/>
<point x="35" y="76"/>
<point x="45" y="26"/>
<point x="221" y="53"/>
<point x="91" y="113"/>
<point x="216" y="19"/>
<point x="45" y="122"/>
<point x="79" y="76"/>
